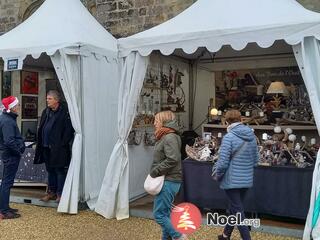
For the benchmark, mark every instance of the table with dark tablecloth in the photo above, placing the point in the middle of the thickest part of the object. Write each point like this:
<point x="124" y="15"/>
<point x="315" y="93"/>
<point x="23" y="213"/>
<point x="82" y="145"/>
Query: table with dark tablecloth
<point x="277" y="190"/>
<point x="28" y="171"/>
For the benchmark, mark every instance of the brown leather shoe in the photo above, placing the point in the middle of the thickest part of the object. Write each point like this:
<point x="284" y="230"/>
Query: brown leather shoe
<point x="48" y="197"/>
<point x="10" y="215"/>
<point x="14" y="210"/>
<point x="58" y="199"/>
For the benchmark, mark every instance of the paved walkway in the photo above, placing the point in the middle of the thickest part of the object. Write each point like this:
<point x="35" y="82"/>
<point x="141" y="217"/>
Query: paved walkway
<point x="45" y="223"/>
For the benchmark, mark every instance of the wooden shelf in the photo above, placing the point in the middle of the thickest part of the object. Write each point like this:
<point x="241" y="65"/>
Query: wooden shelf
<point x="151" y="87"/>
<point x="214" y="126"/>
<point x="143" y="126"/>
<point x="169" y="104"/>
<point x="28" y="184"/>
<point x="264" y="127"/>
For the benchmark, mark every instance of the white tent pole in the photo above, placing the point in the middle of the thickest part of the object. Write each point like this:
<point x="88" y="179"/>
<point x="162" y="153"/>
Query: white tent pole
<point x="82" y="175"/>
<point x="191" y="94"/>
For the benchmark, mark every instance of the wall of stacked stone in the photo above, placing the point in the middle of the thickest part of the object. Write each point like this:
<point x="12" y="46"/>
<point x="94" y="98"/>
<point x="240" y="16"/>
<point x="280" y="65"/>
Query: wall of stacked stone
<point x="120" y="17"/>
<point x="8" y="14"/>
<point x="311" y="4"/>
<point x="125" y="17"/>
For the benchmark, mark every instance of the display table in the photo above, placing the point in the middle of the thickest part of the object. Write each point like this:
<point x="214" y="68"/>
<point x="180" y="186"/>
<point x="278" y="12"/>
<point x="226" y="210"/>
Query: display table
<point x="280" y="191"/>
<point x="27" y="170"/>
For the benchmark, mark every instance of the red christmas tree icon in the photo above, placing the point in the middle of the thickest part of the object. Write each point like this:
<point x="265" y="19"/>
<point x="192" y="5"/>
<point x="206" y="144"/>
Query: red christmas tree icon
<point x="185" y="221"/>
<point x="186" y="218"/>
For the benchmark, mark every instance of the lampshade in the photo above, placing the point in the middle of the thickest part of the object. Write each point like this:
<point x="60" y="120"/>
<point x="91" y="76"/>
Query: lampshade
<point x="213" y="111"/>
<point x="277" y="88"/>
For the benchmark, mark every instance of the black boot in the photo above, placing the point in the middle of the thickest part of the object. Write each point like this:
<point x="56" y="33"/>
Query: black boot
<point x="221" y="237"/>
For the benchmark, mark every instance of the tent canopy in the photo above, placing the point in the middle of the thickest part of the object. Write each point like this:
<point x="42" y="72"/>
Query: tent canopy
<point x="55" y="25"/>
<point x="210" y="24"/>
<point x="214" y="23"/>
<point x="85" y="58"/>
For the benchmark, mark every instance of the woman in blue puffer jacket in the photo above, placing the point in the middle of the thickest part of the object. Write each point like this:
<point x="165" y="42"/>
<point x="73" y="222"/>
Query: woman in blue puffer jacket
<point x="235" y="167"/>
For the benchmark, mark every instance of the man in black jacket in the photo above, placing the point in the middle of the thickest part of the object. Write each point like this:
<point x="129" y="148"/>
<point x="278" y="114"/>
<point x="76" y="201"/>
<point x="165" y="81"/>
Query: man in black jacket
<point x="55" y="134"/>
<point x="11" y="147"/>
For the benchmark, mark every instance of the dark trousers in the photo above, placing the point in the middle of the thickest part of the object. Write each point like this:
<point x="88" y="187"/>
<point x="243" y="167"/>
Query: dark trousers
<point x="56" y="179"/>
<point x="10" y="168"/>
<point x="235" y="198"/>
<point x="56" y="175"/>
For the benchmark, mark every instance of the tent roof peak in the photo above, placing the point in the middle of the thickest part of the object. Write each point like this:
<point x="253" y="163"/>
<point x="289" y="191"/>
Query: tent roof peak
<point x="214" y="23"/>
<point x="56" y="24"/>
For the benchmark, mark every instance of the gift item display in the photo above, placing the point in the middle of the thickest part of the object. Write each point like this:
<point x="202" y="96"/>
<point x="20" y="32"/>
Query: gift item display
<point x="30" y="87"/>
<point x="164" y="88"/>
<point x="269" y="96"/>
<point x="283" y="148"/>
<point x="275" y="104"/>
<point x="204" y="149"/>
<point x="162" y="91"/>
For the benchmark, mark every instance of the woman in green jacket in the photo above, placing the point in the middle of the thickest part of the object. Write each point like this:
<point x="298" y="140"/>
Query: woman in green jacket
<point x="167" y="162"/>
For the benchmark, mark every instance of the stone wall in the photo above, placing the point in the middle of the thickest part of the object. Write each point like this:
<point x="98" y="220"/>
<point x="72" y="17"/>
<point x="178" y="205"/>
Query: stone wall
<point x="9" y="10"/>
<point x="311" y="4"/>
<point x="125" y="17"/>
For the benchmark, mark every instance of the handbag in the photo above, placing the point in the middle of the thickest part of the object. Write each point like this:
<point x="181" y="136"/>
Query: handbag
<point x="214" y="173"/>
<point x="152" y="185"/>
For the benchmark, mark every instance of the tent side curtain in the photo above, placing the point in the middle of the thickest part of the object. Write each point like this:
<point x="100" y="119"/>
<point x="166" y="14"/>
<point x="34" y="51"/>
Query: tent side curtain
<point x="100" y="74"/>
<point x="68" y="70"/>
<point x="88" y="80"/>
<point x="113" y="199"/>
<point x="307" y="54"/>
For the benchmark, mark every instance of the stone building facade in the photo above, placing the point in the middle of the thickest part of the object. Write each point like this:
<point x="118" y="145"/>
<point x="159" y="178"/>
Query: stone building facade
<point x="120" y="17"/>
<point x="125" y="17"/>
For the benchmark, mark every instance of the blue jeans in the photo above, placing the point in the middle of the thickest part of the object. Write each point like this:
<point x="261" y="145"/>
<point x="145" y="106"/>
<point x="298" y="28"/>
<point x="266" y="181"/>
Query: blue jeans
<point x="235" y="198"/>
<point x="56" y="179"/>
<point x="162" y="209"/>
<point x="10" y="168"/>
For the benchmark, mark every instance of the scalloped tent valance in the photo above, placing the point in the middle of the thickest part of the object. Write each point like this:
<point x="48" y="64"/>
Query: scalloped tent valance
<point x="214" y="23"/>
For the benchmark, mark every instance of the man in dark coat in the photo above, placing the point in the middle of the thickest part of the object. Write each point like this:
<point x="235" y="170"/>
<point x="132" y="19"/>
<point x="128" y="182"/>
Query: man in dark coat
<point x="11" y="148"/>
<point x="55" y="135"/>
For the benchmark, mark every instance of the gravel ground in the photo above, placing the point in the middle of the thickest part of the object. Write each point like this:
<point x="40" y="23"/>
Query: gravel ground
<point x="46" y="223"/>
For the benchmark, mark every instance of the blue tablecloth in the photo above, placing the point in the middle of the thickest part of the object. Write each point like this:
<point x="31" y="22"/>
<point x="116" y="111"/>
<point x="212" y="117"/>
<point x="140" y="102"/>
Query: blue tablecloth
<point x="280" y="191"/>
<point x="27" y="170"/>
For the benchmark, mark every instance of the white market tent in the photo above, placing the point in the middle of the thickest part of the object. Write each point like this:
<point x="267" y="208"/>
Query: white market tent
<point x="84" y="56"/>
<point x="211" y="24"/>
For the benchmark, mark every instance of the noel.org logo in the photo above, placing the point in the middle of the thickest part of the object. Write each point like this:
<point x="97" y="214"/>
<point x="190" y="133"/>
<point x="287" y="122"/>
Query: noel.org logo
<point x="186" y="218"/>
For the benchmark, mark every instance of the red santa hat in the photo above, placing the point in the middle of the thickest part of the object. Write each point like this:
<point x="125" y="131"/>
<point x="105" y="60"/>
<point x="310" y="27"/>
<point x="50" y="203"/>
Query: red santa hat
<point x="10" y="102"/>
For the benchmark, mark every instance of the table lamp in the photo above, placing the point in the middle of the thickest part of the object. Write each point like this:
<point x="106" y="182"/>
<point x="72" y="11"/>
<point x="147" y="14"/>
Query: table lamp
<point x="277" y="88"/>
<point x="213" y="112"/>
<point x="213" y="115"/>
